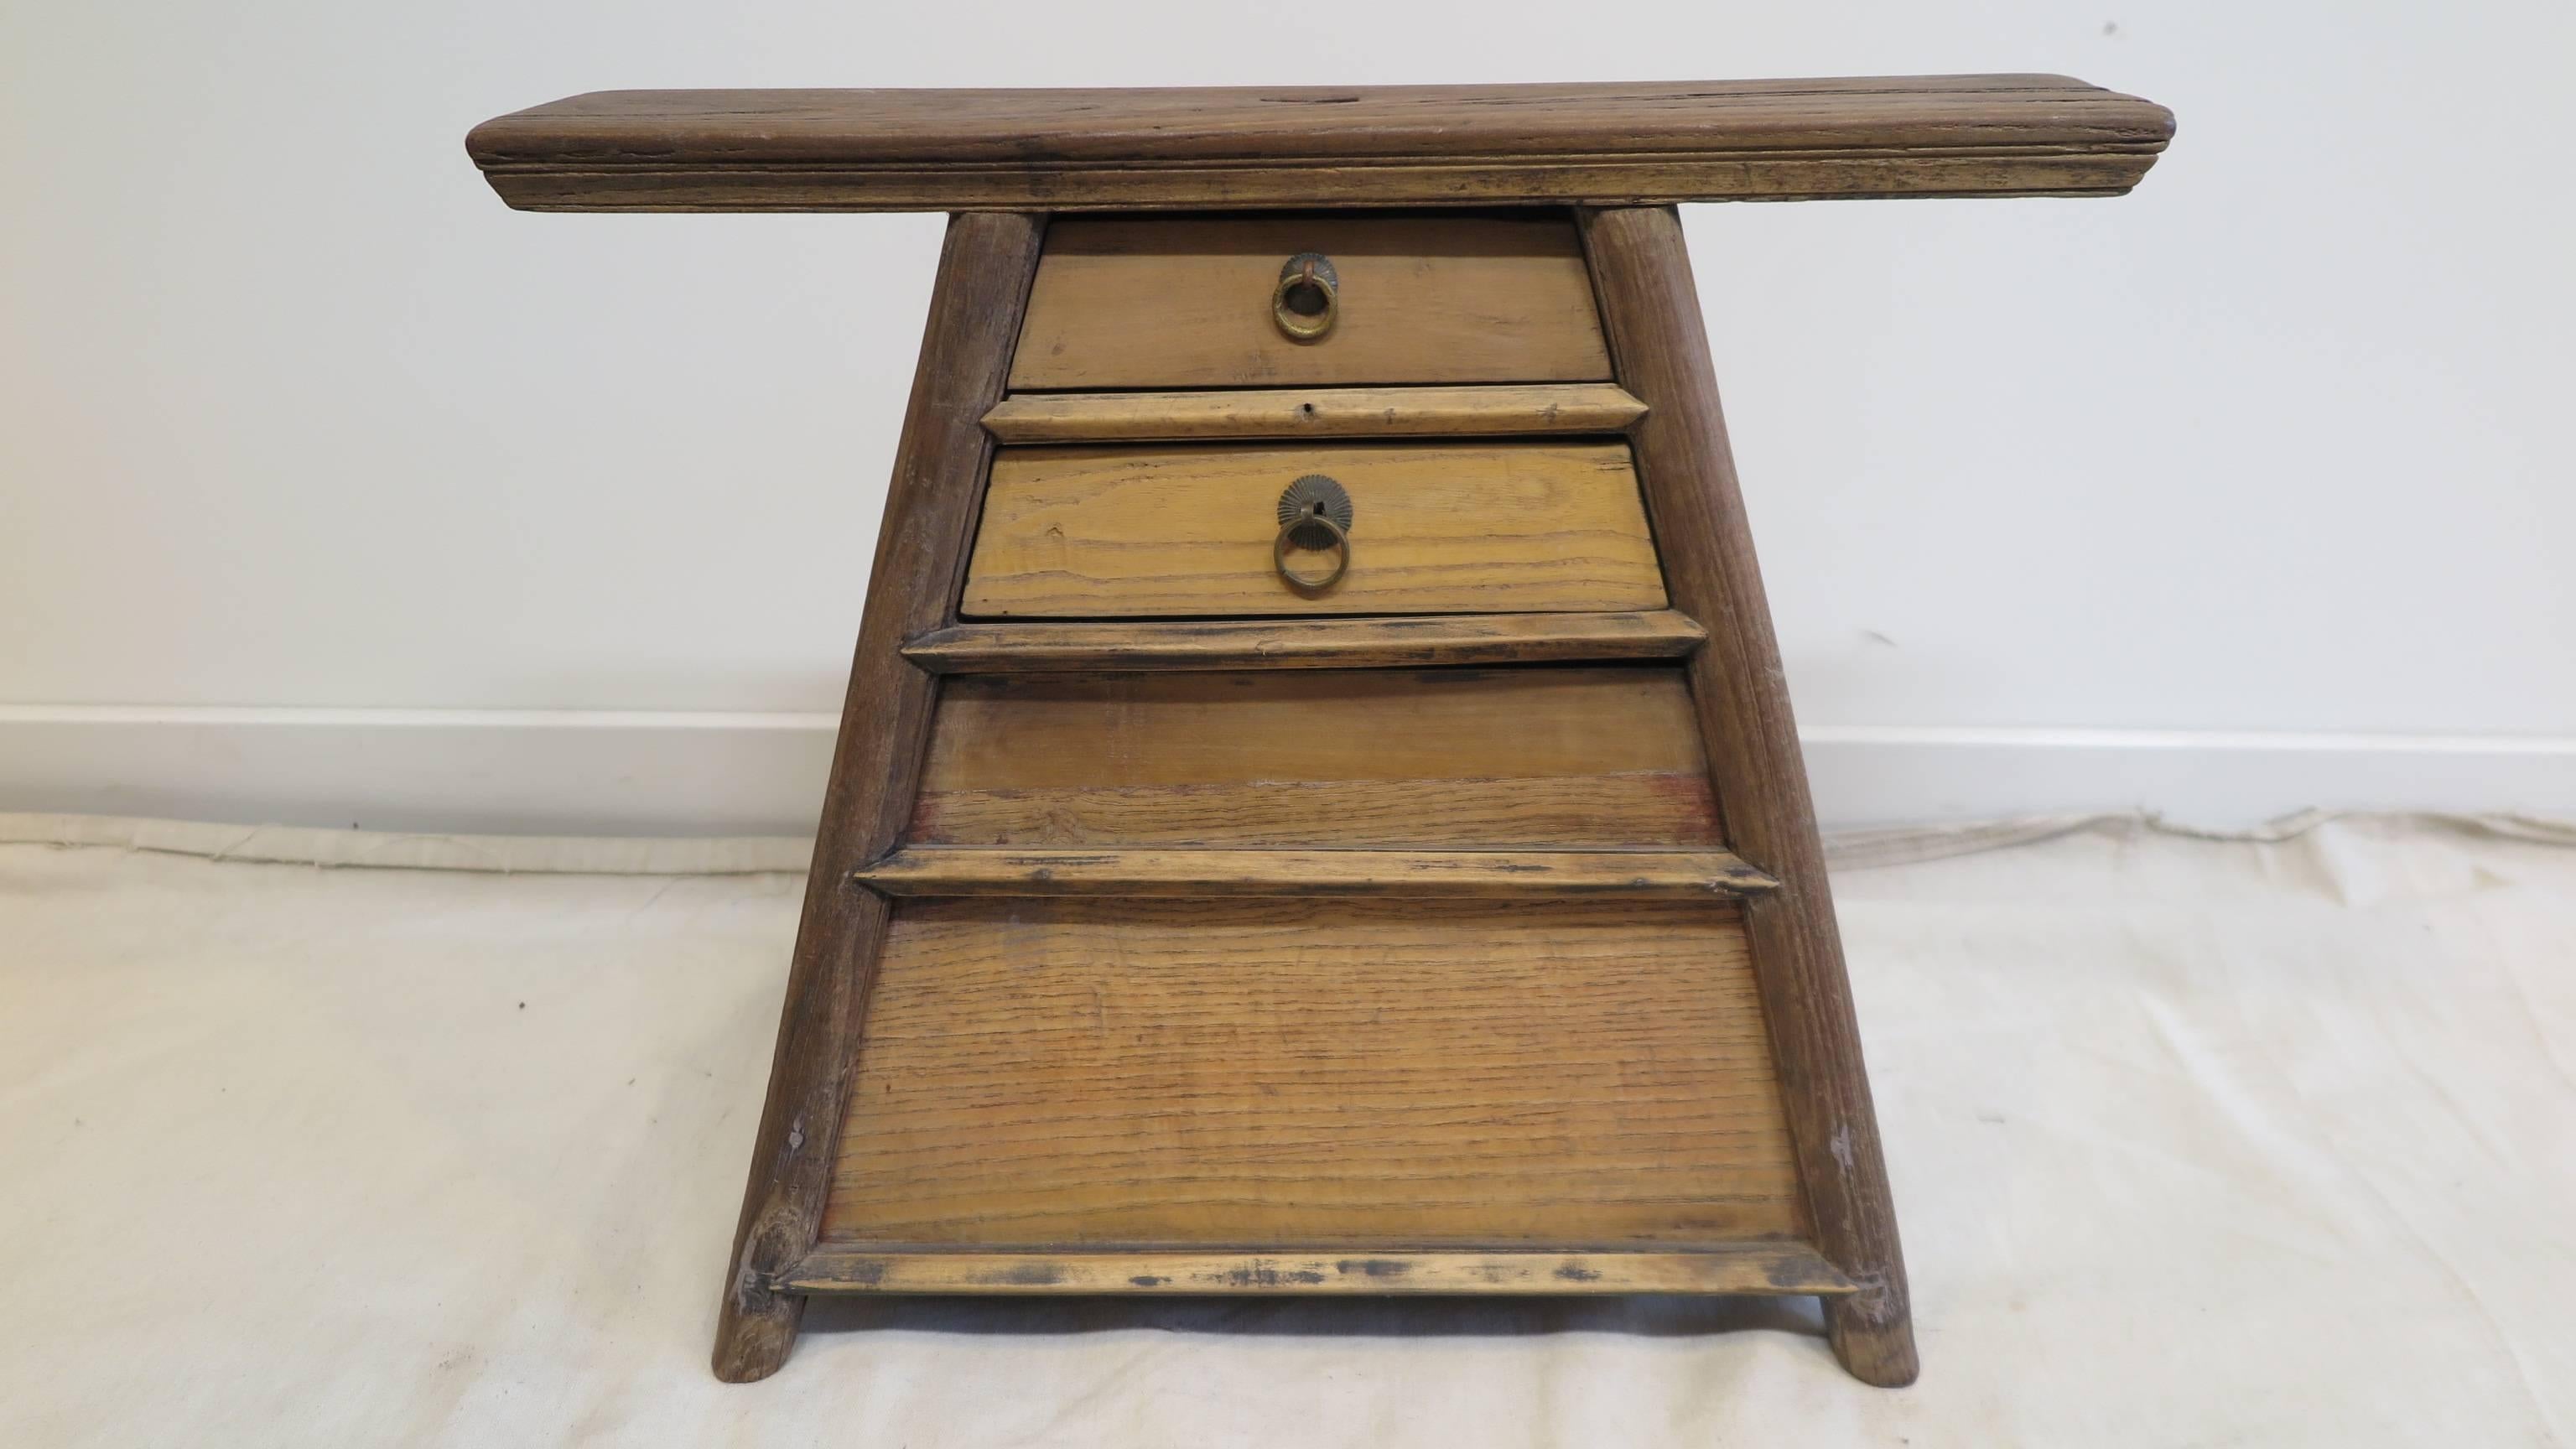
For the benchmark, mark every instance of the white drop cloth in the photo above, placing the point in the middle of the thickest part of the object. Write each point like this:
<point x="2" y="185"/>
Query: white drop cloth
<point x="2193" y="1144"/>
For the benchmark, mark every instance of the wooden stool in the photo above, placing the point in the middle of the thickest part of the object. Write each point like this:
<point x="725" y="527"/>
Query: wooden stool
<point x="1317" y="809"/>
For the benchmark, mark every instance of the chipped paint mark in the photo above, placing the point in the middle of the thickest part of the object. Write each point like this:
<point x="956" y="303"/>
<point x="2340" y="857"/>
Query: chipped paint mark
<point x="1574" y="1272"/>
<point x="796" y="1135"/>
<point x="1375" y="1267"/>
<point x="1148" y="1280"/>
<point x="1027" y="1275"/>
<point x="1841" y="1146"/>
<point x="1873" y="1304"/>
<point x="1261" y="1273"/>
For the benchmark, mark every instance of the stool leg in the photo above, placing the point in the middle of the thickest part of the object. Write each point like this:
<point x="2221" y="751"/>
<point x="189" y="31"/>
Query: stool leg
<point x="985" y="268"/>
<point x="1659" y="347"/>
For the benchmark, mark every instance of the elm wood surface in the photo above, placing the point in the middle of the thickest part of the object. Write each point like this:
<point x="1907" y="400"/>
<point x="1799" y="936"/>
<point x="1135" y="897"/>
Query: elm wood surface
<point x="1169" y="302"/>
<point x="1572" y="757"/>
<point x="1751" y="1165"/>
<point x="1758" y="1267"/>
<point x="1325" y="1074"/>
<point x="985" y="265"/>
<point x="1440" y="527"/>
<point x="1173" y="149"/>
<point x="1651" y="306"/>
<point x="1506" y="874"/>
<point x="1416" y="641"/>
<point x="1339" y="412"/>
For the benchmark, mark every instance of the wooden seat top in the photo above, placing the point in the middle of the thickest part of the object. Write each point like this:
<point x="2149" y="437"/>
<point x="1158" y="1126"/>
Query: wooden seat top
<point x="1106" y="150"/>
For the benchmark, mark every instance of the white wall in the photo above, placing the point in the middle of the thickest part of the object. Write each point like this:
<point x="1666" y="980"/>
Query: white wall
<point x="332" y="491"/>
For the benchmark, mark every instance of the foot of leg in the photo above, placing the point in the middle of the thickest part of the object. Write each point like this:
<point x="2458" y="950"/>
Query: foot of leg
<point x="1873" y="1334"/>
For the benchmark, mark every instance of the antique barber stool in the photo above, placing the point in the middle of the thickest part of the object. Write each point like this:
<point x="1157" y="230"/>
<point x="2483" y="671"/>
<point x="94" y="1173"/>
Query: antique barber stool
<point x="1317" y="809"/>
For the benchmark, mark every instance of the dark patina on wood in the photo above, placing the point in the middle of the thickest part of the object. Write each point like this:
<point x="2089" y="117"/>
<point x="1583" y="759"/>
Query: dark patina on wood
<point x="1181" y="149"/>
<point x="984" y="272"/>
<point x="1651" y="307"/>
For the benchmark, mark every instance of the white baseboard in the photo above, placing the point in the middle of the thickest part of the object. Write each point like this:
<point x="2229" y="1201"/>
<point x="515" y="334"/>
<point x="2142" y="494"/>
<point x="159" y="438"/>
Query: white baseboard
<point x="1884" y="773"/>
<point x="542" y="772"/>
<point x="562" y="772"/>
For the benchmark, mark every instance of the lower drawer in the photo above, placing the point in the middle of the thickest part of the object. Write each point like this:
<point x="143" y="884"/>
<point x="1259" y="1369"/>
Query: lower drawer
<point x="1077" y="532"/>
<point x="1415" y="1074"/>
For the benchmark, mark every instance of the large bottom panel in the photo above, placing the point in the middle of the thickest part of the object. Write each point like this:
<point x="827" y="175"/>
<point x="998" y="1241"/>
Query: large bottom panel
<point x="1070" y="1072"/>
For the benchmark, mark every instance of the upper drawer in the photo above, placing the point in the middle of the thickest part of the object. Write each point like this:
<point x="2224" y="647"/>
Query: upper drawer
<point x="1198" y="303"/>
<point x="1087" y="532"/>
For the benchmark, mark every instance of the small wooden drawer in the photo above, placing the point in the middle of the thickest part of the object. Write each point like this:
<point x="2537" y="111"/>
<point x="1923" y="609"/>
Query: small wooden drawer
<point x="1196" y="303"/>
<point x="1194" y="530"/>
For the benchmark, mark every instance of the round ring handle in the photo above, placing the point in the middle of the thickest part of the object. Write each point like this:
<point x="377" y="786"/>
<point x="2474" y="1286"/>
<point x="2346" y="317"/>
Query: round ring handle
<point x="1314" y="513"/>
<point x="1308" y="584"/>
<point x="1308" y="297"/>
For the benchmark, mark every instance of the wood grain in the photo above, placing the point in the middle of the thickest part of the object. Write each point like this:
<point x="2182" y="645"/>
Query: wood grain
<point x="984" y="269"/>
<point x="1067" y="150"/>
<point x="1652" y="307"/>
<point x="1419" y="641"/>
<point x="1489" y="874"/>
<point x="1574" y="758"/>
<point x="1186" y="303"/>
<point x="1343" y="1074"/>
<point x="1333" y="412"/>
<point x="1772" y="1266"/>
<point x="1438" y="528"/>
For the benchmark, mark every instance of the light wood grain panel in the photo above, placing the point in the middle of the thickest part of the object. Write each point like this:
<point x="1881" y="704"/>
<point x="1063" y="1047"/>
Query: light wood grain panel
<point x="1603" y="812"/>
<point x="1066" y="150"/>
<point x="1417" y="641"/>
<point x="1437" y="528"/>
<point x="1403" y="1073"/>
<point x="1576" y="757"/>
<point x="1336" y="412"/>
<point x="1186" y="303"/>
<point x="1424" y="874"/>
<point x="1770" y="1266"/>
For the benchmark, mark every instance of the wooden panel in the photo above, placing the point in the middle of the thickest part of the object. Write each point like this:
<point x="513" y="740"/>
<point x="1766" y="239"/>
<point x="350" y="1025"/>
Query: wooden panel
<point x="984" y="270"/>
<point x="1653" y="306"/>
<point x="1771" y="1266"/>
<point x="1330" y="1073"/>
<point x="1187" y="303"/>
<point x="1437" y="528"/>
<point x="1060" y="150"/>
<point x="1420" y="641"/>
<point x="1485" y="874"/>
<point x="1603" y="758"/>
<point x="1336" y="412"/>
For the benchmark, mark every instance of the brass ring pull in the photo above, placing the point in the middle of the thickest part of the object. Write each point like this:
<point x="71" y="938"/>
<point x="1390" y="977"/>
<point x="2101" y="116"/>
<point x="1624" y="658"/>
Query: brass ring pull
<point x="1308" y="296"/>
<point x="1315" y="513"/>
